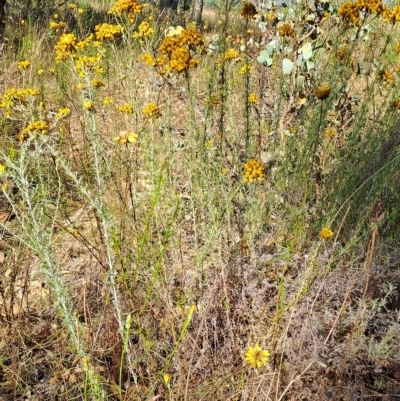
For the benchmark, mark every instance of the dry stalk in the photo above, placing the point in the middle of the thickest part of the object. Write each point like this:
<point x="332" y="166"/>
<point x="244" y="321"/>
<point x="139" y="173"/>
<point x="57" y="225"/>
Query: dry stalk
<point x="367" y="265"/>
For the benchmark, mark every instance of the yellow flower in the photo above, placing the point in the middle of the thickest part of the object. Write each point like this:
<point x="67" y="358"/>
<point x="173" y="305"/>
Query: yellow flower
<point x="144" y="30"/>
<point x="63" y="112"/>
<point x="130" y="7"/>
<point x="37" y="126"/>
<point x="286" y="30"/>
<point x="151" y="110"/>
<point x="40" y="71"/>
<point x="330" y="132"/>
<point x="65" y="46"/>
<point x="252" y="98"/>
<point x="3" y="169"/>
<point x="231" y="54"/>
<point x="256" y="356"/>
<point x="107" y="100"/>
<point x="96" y="83"/>
<point x="126" y="137"/>
<point x="23" y="65"/>
<point x="71" y="6"/>
<point x="254" y="170"/>
<point x="80" y="11"/>
<point x="246" y="69"/>
<point x="326" y="233"/>
<point x="107" y="31"/>
<point x="88" y="105"/>
<point x="386" y="75"/>
<point x="126" y="109"/>
<point x="323" y="91"/>
<point x="167" y="378"/>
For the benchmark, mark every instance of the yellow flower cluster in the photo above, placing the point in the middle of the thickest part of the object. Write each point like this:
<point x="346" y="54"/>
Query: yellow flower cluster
<point x="63" y="112"/>
<point x="108" y="32"/>
<point x="144" y="30"/>
<point x="83" y="44"/>
<point x="351" y="10"/>
<point x="130" y="7"/>
<point x="177" y="52"/>
<point x="57" y="26"/>
<point x="24" y="65"/>
<point x="330" y="132"/>
<point x="37" y="126"/>
<point x="89" y="65"/>
<point x="286" y="30"/>
<point x="252" y="98"/>
<point x="65" y="47"/>
<point x="148" y="59"/>
<point x="246" y="69"/>
<point x="15" y="96"/>
<point x="253" y="170"/>
<point x="392" y="15"/>
<point x="231" y="54"/>
<point x="96" y="83"/>
<point x="126" y="137"/>
<point x="71" y="6"/>
<point x="326" y="233"/>
<point x="126" y="109"/>
<point x="387" y="76"/>
<point x="151" y="110"/>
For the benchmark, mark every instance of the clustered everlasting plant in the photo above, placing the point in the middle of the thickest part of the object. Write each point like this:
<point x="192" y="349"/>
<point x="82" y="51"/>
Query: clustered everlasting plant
<point x="178" y="53"/>
<point x="235" y="174"/>
<point x="254" y="171"/>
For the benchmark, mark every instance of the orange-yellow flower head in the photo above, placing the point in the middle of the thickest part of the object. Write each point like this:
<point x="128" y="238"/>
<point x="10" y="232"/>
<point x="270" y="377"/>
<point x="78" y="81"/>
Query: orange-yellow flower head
<point x="323" y="91"/>
<point x="256" y="356"/>
<point x="326" y="233"/>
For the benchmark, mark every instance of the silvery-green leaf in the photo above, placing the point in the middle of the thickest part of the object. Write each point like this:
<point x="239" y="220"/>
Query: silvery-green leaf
<point x="299" y="60"/>
<point x="270" y="49"/>
<point x="264" y="55"/>
<point x="268" y="61"/>
<point x="287" y="66"/>
<point x="310" y="65"/>
<point x="262" y="26"/>
<point x="288" y="50"/>
<point x="306" y="51"/>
